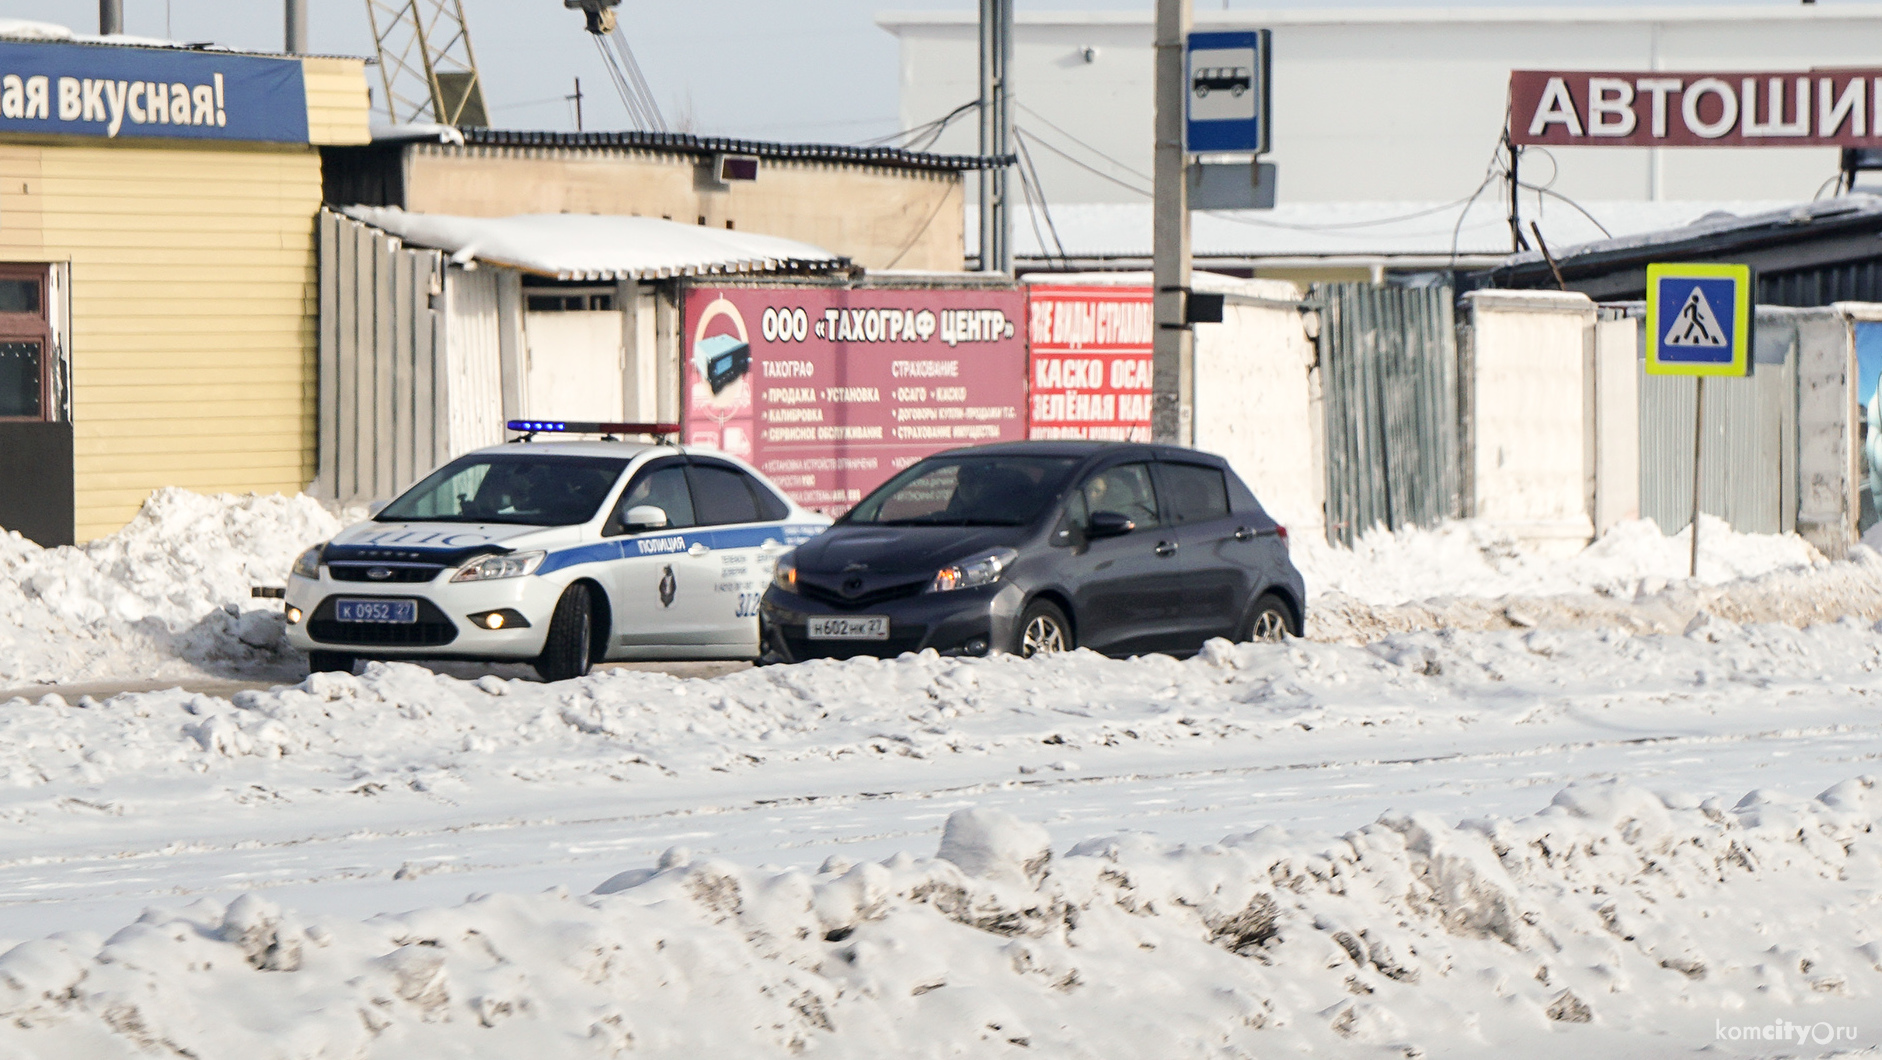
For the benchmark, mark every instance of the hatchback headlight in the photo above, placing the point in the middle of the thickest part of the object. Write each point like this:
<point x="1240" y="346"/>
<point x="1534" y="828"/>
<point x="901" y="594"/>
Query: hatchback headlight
<point x="784" y="575"/>
<point x="983" y="569"/>
<point x="308" y="565"/>
<point x="514" y="565"/>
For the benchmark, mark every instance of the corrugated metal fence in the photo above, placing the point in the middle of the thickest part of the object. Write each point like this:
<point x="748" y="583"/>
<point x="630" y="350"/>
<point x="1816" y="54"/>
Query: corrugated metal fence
<point x="1388" y="369"/>
<point x="384" y="413"/>
<point x="1747" y="458"/>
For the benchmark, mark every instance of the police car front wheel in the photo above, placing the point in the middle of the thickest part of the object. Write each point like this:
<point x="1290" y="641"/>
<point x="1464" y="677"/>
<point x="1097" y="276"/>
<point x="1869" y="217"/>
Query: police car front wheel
<point x="567" y="651"/>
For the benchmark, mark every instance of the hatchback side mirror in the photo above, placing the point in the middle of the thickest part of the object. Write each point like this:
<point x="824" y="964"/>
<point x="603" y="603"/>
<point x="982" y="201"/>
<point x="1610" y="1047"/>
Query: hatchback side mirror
<point x="1109" y="524"/>
<point x="644" y="517"/>
<point x="373" y="509"/>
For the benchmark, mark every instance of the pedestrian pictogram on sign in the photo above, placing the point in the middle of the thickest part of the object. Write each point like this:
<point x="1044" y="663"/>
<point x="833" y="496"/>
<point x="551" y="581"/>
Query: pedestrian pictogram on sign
<point x="1698" y="319"/>
<point x="1696" y="325"/>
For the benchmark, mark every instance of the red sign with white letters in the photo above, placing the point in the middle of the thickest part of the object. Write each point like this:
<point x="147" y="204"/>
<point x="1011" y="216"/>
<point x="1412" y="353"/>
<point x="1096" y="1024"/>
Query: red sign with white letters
<point x="1663" y="108"/>
<point x="1089" y="365"/>
<point x="829" y="391"/>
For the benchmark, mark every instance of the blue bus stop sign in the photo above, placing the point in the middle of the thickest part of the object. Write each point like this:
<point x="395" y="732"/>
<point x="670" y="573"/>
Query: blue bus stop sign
<point x="1227" y="101"/>
<point x="1698" y="319"/>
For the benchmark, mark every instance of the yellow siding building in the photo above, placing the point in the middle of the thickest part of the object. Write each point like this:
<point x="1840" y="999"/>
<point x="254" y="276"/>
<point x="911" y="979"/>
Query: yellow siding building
<point x="180" y="301"/>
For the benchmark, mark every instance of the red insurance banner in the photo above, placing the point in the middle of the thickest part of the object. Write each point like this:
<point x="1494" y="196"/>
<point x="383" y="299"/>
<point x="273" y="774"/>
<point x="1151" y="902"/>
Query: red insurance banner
<point x="1661" y="108"/>
<point x="831" y="391"/>
<point x="1090" y="362"/>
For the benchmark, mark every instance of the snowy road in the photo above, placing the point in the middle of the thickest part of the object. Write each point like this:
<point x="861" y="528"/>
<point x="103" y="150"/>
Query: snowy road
<point x="1533" y="814"/>
<point x="1317" y="737"/>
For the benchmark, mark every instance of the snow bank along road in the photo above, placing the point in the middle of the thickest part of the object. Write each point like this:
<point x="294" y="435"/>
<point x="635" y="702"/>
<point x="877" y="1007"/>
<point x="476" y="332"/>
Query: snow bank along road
<point x="1580" y="840"/>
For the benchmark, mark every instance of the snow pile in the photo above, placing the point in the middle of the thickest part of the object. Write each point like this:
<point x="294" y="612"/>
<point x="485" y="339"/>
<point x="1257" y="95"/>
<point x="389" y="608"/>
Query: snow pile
<point x="169" y="591"/>
<point x="1472" y="559"/>
<point x="1612" y="914"/>
<point x="400" y="731"/>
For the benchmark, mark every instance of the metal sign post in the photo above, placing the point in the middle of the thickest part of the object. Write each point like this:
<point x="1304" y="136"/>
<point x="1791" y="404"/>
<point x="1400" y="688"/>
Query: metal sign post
<point x="1698" y="324"/>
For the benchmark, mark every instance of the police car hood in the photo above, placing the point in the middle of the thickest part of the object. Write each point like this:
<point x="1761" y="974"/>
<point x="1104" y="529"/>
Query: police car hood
<point x="449" y="543"/>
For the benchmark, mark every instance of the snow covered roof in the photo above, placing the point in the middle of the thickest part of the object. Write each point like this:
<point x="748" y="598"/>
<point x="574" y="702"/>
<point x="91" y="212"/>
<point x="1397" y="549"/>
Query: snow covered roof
<point x="1828" y="233"/>
<point x="597" y="247"/>
<point x="1788" y="219"/>
<point x="1333" y="232"/>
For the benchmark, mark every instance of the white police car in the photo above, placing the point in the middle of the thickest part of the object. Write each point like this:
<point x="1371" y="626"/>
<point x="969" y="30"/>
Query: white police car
<point x="561" y="554"/>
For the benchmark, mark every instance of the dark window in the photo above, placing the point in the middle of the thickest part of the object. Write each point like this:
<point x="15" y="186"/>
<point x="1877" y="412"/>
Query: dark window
<point x="1197" y="494"/>
<point x="25" y="339"/>
<point x="532" y="491"/>
<point x="570" y="303"/>
<point x="22" y="375"/>
<point x="721" y="497"/>
<point x="967" y="491"/>
<point x="19" y="296"/>
<point x="1125" y="489"/>
<point x="665" y="489"/>
<point x="771" y="507"/>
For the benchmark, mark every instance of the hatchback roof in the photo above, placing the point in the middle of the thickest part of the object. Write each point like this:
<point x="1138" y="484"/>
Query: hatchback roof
<point x="1081" y="449"/>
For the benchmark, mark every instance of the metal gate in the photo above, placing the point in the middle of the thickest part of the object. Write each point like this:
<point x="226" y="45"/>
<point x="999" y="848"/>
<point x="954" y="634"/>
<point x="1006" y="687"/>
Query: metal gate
<point x="1388" y="369"/>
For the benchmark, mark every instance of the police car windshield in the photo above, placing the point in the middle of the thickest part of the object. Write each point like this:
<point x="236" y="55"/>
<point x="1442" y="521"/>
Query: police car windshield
<point x="500" y="488"/>
<point x="966" y="491"/>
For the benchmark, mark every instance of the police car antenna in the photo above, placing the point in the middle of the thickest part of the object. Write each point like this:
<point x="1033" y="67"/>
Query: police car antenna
<point x="663" y="433"/>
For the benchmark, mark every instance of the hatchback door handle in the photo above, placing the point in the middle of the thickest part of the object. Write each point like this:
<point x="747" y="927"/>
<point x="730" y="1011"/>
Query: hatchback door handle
<point x="1242" y="533"/>
<point x="1166" y="548"/>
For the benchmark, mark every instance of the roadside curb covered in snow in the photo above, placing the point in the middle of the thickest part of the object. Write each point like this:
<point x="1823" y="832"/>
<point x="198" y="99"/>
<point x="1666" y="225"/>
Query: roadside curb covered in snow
<point x="1610" y="915"/>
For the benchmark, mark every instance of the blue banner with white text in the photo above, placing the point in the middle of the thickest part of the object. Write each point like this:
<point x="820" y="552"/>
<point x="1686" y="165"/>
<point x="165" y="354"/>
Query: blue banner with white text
<point x="114" y="91"/>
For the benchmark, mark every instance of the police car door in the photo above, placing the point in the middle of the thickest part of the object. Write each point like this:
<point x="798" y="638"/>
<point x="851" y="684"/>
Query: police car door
<point x="746" y="535"/>
<point x="661" y="589"/>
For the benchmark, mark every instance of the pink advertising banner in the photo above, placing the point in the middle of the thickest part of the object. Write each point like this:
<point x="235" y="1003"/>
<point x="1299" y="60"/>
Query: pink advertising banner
<point x="1090" y="362"/>
<point x="829" y="391"/>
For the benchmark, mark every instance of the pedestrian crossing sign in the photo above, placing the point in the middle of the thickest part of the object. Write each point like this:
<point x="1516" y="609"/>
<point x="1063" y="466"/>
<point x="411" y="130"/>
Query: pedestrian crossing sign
<point x="1698" y="319"/>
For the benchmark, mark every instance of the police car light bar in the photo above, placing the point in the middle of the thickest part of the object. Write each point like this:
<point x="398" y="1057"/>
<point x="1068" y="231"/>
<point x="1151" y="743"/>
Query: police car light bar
<point x="586" y="427"/>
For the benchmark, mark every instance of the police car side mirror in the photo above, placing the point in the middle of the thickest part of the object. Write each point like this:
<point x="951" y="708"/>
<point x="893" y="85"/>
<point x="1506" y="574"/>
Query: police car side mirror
<point x="1109" y="524"/>
<point x="375" y="508"/>
<point x="643" y="517"/>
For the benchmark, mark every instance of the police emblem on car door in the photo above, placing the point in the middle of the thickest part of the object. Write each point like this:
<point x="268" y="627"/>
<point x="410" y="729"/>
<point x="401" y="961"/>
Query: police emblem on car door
<point x="668" y="586"/>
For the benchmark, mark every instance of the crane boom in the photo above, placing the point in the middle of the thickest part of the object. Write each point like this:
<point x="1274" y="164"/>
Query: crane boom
<point x="426" y="63"/>
<point x="623" y="70"/>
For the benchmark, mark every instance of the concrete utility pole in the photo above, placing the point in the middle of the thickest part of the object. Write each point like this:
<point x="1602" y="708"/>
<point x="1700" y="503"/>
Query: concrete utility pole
<point x="1172" y="379"/>
<point x="296" y="27"/>
<point x="110" y="18"/>
<point x="996" y="58"/>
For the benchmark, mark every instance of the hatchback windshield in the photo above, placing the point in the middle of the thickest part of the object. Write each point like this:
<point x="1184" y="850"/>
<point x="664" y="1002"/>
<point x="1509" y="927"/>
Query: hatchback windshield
<point x="966" y="490"/>
<point x="500" y="488"/>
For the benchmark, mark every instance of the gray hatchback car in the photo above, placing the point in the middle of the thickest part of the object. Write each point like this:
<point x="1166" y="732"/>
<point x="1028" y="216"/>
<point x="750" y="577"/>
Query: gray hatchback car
<point x="1030" y="547"/>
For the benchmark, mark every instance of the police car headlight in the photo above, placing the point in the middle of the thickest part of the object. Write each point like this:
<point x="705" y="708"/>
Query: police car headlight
<point x="984" y="569"/>
<point x="308" y="565"/>
<point x="485" y="568"/>
<point x="784" y="575"/>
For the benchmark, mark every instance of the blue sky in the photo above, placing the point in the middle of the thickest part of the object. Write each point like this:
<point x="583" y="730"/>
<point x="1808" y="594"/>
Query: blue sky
<point x="807" y="70"/>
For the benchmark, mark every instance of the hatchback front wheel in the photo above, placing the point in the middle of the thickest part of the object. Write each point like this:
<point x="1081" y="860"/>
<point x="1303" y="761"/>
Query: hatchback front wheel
<point x="1044" y="630"/>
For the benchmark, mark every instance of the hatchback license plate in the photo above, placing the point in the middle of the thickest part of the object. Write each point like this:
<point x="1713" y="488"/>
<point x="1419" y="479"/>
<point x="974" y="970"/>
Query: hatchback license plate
<point x="849" y="627"/>
<point x="399" y="611"/>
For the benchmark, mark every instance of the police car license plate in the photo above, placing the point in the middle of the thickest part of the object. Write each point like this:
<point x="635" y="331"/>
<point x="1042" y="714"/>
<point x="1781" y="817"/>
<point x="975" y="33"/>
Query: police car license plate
<point x="849" y="627"/>
<point x="401" y="611"/>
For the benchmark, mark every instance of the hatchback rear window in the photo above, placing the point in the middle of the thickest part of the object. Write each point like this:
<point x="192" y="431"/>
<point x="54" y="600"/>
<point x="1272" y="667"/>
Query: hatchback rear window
<point x="967" y="490"/>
